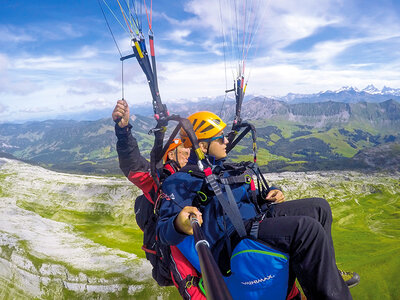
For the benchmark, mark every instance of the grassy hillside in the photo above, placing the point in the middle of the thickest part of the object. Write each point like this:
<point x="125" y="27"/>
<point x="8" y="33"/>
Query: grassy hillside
<point x="288" y="146"/>
<point x="74" y="236"/>
<point x="366" y="228"/>
<point x="65" y="236"/>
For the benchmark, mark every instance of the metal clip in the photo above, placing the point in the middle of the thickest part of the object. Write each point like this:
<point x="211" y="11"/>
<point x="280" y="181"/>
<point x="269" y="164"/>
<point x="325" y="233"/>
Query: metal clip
<point x="153" y="130"/>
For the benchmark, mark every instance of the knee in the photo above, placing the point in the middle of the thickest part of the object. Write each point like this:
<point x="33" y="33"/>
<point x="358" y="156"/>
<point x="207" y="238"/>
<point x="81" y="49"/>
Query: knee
<point x="310" y="231"/>
<point x="310" y="225"/>
<point x="325" y="212"/>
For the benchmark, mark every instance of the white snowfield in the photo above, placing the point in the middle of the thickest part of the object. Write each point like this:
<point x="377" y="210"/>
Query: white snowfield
<point x="24" y="234"/>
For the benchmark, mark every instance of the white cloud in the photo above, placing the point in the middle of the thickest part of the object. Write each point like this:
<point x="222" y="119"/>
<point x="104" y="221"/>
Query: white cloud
<point x="12" y="34"/>
<point x="3" y="63"/>
<point x="280" y="21"/>
<point x="3" y="108"/>
<point x="69" y="30"/>
<point x="207" y="14"/>
<point x="85" y="52"/>
<point x="54" y="31"/>
<point x="39" y="32"/>
<point x="99" y="102"/>
<point x="19" y="85"/>
<point x="84" y="86"/>
<point x="36" y="110"/>
<point x="288" y="21"/>
<point x="279" y="79"/>
<point x="192" y="80"/>
<point x="180" y="36"/>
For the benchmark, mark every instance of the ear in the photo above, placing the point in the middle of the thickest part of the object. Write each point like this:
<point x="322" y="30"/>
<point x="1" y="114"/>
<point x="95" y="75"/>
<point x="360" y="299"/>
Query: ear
<point x="203" y="146"/>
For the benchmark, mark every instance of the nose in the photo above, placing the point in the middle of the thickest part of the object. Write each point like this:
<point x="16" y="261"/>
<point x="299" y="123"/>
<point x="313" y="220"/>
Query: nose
<point x="226" y="141"/>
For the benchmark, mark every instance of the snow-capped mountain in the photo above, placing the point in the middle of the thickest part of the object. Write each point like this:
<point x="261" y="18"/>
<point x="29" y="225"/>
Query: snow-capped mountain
<point x="390" y="91"/>
<point x="347" y="89"/>
<point x="371" y="89"/>
<point x="346" y="94"/>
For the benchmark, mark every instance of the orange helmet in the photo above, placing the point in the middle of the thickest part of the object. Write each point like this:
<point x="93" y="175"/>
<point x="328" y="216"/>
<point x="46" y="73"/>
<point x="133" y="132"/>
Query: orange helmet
<point x="174" y="144"/>
<point x="205" y="125"/>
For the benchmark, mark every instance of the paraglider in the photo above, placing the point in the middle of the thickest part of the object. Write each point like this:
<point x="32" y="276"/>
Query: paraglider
<point x="242" y="27"/>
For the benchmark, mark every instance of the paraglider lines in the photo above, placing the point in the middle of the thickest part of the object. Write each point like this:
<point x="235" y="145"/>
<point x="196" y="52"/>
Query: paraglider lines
<point x="149" y="19"/>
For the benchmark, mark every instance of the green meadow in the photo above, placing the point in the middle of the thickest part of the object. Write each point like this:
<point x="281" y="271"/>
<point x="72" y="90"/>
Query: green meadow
<point x="367" y="240"/>
<point x="366" y="229"/>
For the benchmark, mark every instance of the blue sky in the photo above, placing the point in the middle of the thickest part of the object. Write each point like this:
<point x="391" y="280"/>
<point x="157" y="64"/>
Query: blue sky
<point x="58" y="57"/>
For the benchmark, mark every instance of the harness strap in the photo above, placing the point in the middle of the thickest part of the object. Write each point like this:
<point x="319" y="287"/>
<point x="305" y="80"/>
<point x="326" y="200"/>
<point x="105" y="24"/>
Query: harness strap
<point x="242" y="178"/>
<point x="254" y="229"/>
<point x="263" y="186"/>
<point x="229" y="205"/>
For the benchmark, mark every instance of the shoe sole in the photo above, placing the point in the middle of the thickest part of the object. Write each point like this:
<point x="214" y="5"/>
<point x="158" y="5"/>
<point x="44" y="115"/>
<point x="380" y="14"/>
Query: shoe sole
<point x="353" y="285"/>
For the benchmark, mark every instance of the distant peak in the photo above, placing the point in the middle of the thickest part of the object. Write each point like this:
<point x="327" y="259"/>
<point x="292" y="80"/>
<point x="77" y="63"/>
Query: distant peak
<point x="371" y="89"/>
<point x="390" y="91"/>
<point x="347" y="89"/>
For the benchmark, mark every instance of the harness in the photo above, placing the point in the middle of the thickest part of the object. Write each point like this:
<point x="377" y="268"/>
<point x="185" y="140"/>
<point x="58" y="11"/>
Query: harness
<point x="249" y="174"/>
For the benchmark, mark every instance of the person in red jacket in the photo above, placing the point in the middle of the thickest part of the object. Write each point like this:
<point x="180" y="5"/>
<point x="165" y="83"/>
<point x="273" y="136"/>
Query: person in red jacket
<point x="137" y="169"/>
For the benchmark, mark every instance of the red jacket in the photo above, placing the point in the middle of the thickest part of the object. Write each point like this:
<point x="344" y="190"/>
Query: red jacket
<point x="136" y="167"/>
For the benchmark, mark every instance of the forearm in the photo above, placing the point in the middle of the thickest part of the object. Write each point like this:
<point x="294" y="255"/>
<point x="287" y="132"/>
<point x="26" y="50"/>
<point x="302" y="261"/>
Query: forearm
<point x="130" y="159"/>
<point x="166" y="230"/>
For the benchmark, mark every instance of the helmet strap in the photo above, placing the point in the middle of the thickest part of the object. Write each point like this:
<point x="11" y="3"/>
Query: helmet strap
<point x="176" y="157"/>
<point x="208" y="147"/>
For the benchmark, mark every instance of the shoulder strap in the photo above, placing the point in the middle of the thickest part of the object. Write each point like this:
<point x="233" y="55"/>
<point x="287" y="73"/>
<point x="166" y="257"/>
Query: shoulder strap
<point x="193" y="170"/>
<point x="171" y="167"/>
<point x="229" y="205"/>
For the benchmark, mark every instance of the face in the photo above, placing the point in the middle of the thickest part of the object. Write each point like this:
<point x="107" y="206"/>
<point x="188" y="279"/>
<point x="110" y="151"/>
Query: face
<point x="218" y="146"/>
<point x="182" y="155"/>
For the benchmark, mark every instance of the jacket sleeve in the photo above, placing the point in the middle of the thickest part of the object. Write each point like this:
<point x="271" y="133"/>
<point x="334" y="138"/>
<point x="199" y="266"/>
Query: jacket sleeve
<point x="176" y="196"/>
<point x="135" y="167"/>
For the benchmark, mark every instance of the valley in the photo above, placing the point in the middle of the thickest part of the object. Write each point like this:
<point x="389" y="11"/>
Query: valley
<point x="290" y="137"/>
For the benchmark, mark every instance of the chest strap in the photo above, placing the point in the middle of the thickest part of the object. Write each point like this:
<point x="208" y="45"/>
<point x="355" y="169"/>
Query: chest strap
<point x="229" y="205"/>
<point x="242" y="178"/>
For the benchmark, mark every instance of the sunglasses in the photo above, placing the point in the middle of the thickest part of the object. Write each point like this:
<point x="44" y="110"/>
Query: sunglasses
<point x="222" y="137"/>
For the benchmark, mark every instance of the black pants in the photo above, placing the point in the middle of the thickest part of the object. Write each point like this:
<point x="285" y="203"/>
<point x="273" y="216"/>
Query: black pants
<point x="302" y="228"/>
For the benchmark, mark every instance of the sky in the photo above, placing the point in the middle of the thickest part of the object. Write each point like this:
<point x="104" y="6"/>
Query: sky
<point x="58" y="57"/>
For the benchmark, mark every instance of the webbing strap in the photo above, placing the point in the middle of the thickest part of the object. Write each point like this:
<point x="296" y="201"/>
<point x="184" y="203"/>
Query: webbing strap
<point x="242" y="178"/>
<point x="263" y="186"/>
<point x="254" y="229"/>
<point x="229" y="205"/>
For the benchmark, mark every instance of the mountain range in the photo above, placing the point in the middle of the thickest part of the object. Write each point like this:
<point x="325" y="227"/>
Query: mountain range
<point x="346" y="94"/>
<point x="291" y="136"/>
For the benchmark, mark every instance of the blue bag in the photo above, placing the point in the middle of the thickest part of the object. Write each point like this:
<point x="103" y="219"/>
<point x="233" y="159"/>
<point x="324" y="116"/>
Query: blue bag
<point x="257" y="270"/>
